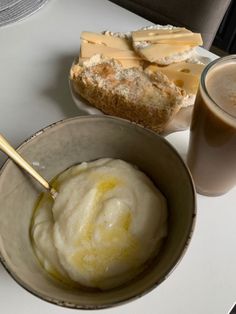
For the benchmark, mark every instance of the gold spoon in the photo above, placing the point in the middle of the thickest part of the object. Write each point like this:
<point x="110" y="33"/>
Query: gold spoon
<point x="12" y="153"/>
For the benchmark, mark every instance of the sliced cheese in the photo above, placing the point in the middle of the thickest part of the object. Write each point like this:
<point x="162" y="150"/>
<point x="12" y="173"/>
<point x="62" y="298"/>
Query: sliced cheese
<point x="186" y="67"/>
<point x="177" y="38"/>
<point x="189" y="82"/>
<point x="107" y="40"/>
<point x="186" y="81"/>
<point x="130" y="63"/>
<point x="194" y="39"/>
<point x="152" y="34"/>
<point x="87" y="50"/>
<point x="126" y="63"/>
<point x="159" y="51"/>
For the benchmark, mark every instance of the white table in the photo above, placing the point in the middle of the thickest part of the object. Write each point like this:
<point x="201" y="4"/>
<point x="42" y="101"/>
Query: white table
<point x="35" y="57"/>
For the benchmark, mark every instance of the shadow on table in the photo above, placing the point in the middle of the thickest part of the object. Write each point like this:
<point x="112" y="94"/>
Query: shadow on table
<point x="59" y="90"/>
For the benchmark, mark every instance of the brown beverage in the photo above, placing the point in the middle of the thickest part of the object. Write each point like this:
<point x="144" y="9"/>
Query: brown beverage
<point x="212" y="145"/>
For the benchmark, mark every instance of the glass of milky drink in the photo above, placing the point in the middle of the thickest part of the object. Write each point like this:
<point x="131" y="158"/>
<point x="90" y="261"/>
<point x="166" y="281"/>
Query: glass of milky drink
<point x="212" y="145"/>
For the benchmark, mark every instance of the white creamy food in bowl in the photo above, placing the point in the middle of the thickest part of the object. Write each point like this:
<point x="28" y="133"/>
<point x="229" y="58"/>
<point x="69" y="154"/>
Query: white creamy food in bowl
<point x="90" y="139"/>
<point x="106" y="222"/>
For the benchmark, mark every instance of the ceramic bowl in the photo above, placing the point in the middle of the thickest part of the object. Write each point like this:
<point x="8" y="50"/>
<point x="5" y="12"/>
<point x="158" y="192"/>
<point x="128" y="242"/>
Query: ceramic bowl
<point x="72" y="141"/>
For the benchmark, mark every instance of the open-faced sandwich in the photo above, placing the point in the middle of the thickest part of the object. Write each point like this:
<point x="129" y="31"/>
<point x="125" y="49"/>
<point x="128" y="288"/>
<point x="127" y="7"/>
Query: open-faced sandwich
<point x="145" y="76"/>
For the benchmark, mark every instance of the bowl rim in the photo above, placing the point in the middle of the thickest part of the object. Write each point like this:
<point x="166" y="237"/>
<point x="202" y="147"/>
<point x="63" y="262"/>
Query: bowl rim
<point x="172" y="267"/>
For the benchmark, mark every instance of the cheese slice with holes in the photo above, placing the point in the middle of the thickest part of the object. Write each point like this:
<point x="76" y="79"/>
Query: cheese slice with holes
<point x="109" y="41"/>
<point x="87" y="50"/>
<point x="188" y="81"/>
<point x="157" y="51"/>
<point x="186" y="67"/>
<point x="175" y="38"/>
<point x="153" y="34"/>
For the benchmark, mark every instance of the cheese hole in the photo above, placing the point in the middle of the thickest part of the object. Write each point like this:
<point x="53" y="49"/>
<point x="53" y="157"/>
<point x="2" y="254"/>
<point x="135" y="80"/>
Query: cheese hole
<point x="179" y="83"/>
<point x="185" y="70"/>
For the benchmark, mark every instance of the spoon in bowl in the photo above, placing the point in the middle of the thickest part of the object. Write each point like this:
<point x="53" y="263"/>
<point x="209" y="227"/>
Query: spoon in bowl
<point x="12" y="153"/>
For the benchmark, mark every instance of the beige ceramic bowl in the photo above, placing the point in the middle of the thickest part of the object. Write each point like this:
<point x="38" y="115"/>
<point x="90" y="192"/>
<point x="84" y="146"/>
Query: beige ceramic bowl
<point x="83" y="139"/>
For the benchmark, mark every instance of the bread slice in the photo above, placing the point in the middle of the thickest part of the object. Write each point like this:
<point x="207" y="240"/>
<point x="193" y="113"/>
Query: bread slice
<point x="149" y="100"/>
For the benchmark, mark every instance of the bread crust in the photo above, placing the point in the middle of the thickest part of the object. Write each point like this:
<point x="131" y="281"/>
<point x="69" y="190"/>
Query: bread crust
<point x="151" y="101"/>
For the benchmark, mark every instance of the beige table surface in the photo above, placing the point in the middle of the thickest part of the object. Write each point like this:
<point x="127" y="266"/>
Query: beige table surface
<point x="35" y="57"/>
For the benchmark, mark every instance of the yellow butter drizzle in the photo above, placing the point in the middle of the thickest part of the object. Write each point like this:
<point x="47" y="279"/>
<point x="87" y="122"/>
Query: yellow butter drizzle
<point x="116" y="244"/>
<point x="102" y="187"/>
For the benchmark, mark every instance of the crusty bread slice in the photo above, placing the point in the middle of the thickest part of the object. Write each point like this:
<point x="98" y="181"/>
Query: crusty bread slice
<point x="151" y="101"/>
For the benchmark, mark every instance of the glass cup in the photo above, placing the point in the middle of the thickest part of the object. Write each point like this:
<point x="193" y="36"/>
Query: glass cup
<point x="212" y="145"/>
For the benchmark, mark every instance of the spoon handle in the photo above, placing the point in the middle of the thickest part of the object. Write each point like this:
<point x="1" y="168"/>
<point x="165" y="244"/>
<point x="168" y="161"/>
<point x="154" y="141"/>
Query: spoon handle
<point x="10" y="151"/>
